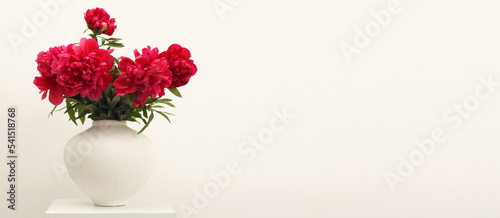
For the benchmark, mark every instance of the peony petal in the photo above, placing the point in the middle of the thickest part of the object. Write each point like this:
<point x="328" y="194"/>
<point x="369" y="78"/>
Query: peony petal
<point x="173" y="48"/>
<point x="56" y="95"/>
<point x="141" y="99"/>
<point x="185" y="53"/>
<point x="136" y="53"/>
<point x="124" y="63"/>
<point x="122" y="82"/>
<point x="159" y="65"/>
<point x="91" y="46"/>
<point x="193" y="67"/>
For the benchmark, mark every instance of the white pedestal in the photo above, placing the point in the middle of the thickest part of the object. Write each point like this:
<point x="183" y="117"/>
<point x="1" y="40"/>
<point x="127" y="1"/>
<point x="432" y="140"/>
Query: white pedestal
<point x="83" y="208"/>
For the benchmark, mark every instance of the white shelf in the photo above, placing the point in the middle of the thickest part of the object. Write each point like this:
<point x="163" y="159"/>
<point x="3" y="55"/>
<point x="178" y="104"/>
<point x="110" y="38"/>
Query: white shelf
<point x="83" y="208"/>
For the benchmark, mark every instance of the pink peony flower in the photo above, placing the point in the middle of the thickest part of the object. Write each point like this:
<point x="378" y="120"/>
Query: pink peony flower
<point x="84" y="69"/>
<point x="148" y="76"/>
<point x="180" y="65"/>
<point x="46" y="82"/>
<point x="98" y="19"/>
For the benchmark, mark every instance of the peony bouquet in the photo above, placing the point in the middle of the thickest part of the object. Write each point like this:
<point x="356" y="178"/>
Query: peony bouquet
<point x="95" y="85"/>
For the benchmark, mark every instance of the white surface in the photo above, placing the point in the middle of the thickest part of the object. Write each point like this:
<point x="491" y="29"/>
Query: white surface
<point x="109" y="162"/>
<point x="352" y="121"/>
<point x="83" y="208"/>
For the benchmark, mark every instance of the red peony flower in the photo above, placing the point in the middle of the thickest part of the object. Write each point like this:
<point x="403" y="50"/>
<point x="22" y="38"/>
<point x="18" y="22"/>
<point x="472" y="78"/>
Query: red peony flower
<point x="98" y="19"/>
<point x="180" y="65"/>
<point x="148" y="76"/>
<point x="47" y="81"/>
<point x="84" y="69"/>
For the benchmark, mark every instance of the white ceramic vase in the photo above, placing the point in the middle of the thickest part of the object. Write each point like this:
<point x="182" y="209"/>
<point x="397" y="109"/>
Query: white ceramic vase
<point x="109" y="162"/>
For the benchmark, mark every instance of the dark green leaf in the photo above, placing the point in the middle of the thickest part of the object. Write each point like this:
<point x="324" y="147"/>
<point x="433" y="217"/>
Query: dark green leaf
<point x="145" y="112"/>
<point x="53" y="109"/>
<point x="71" y="112"/>
<point x="129" y="98"/>
<point x="175" y="92"/>
<point x="163" y="100"/>
<point x="135" y="114"/>
<point x="115" y="44"/>
<point x="150" y="100"/>
<point x="81" y="113"/>
<point x="101" y="31"/>
<point x="74" y="100"/>
<point x="147" y="124"/>
<point x="168" y="113"/>
<point x="115" y="100"/>
<point x="91" y="108"/>
<point x="163" y="114"/>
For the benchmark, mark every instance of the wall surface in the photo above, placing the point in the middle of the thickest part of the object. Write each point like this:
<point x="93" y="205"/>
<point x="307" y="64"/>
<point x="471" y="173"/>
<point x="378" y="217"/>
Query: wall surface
<point x="361" y="108"/>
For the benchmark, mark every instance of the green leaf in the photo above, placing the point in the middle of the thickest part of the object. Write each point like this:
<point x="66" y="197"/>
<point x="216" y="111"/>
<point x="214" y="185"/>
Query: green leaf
<point x="150" y="100"/>
<point x="74" y="100"/>
<point x="108" y="90"/>
<point x="163" y="100"/>
<point x="115" y="44"/>
<point x="175" y="92"/>
<point x="115" y="100"/>
<point x="135" y="114"/>
<point x="91" y="108"/>
<point x="53" y="109"/>
<point x="147" y="124"/>
<point x="101" y="31"/>
<point x="81" y="113"/>
<point x="129" y="98"/>
<point x="145" y="112"/>
<point x="163" y="114"/>
<point x="168" y="113"/>
<point x="71" y="112"/>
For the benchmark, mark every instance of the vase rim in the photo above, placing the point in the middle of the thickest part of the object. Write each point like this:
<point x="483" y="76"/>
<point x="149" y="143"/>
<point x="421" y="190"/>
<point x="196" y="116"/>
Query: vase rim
<point x="108" y="122"/>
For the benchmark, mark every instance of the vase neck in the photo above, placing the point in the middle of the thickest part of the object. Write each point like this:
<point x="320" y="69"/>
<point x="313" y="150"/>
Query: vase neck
<point x="109" y="123"/>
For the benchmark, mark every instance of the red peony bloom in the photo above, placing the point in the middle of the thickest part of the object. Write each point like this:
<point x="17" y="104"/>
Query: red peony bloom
<point x="84" y="69"/>
<point x="148" y="76"/>
<point x="47" y="81"/>
<point x="98" y="19"/>
<point x="180" y="65"/>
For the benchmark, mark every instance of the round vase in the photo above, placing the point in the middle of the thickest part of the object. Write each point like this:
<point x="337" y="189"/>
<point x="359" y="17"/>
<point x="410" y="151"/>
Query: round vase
<point x="110" y="162"/>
